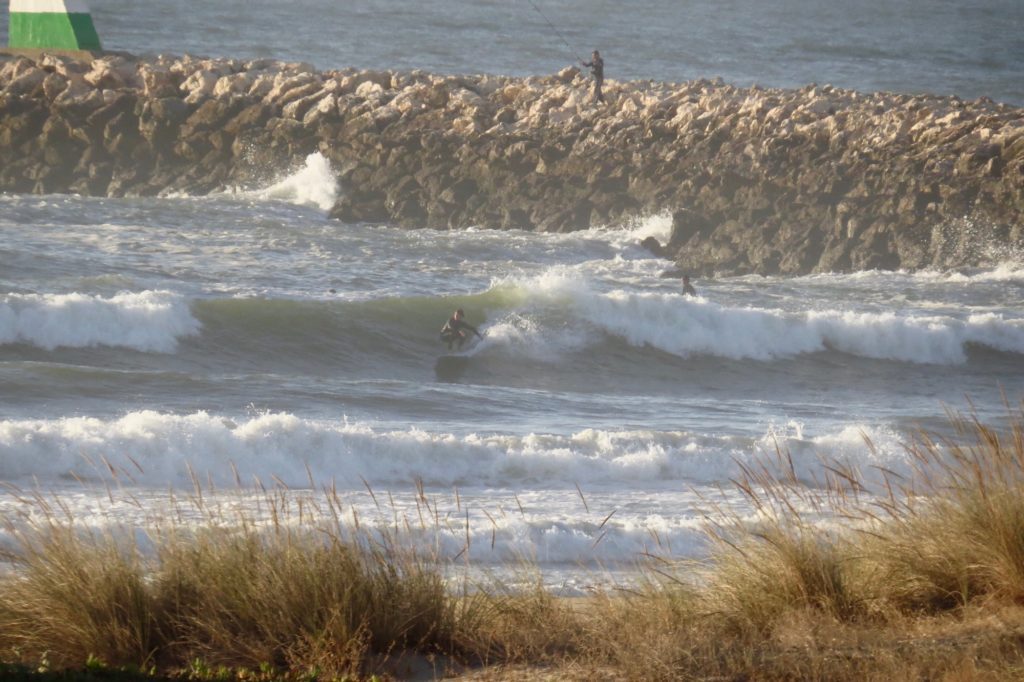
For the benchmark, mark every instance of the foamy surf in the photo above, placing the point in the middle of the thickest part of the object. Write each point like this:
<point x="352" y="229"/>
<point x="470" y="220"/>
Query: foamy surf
<point x="159" y="449"/>
<point x="546" y="318"/>
<point x="1006" y="271"/>
<point x="490" y="528"/>
<point x="658" y="226"/>
<point x="589" y="497"/>
<point x="697" y="326"/>
<point x="312" y="185"/>
<point x="149" y="321"/>
<point x="594" y="370"/>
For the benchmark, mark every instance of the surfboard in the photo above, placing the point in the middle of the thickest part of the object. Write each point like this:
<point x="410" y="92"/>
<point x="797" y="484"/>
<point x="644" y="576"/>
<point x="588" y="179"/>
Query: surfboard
<point x="451" y="367"/>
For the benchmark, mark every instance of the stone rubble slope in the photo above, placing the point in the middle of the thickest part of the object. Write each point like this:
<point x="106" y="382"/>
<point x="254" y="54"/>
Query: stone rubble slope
<point x="759" y="180"/>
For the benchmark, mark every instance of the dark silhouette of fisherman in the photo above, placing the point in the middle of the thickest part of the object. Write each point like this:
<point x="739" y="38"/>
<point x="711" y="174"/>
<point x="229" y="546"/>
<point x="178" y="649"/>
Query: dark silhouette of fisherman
<point x="596" y="65"/>
<point x="454" y="330"/>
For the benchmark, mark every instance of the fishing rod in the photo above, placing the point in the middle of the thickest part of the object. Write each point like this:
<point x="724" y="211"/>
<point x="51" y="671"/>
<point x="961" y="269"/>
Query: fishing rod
<point x="555" y="29"/>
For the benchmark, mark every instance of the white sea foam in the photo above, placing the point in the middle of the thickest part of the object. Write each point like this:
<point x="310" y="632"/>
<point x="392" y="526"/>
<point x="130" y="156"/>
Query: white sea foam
<point x="158" y="449"/>
<point x="869" y="451"/>
<point x="689" y="326"/>
<point x="1006" y="271"/>
<point x="312" y="185"/>
<point x="518" y="494"/>
<point x="620" y="236"/>
<point x="658" y="226"/>
<point x="491" y="527"/>
<point x="524" y="336"/>
<point x="151" y="321"/>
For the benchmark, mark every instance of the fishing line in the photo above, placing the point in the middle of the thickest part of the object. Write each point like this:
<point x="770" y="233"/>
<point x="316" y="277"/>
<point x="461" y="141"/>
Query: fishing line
<point x="555" y="29"/>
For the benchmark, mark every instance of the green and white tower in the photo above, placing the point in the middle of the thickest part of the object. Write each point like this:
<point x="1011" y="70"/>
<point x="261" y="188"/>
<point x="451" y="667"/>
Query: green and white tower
<point x="52" y="24"/>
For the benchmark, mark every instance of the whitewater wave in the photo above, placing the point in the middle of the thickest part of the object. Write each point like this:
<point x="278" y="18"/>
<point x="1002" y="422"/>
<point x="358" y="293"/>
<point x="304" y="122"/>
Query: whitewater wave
<point x="544" y="318"/>
<point x="490" y="528"/>
<point x="546" y="497"/>
<point x="691" y="326"/>
<point x="685" y="327"/>
<point x="312" y="185"/>
<point x="154" y="448"/>
<point x="1007" y="271"/>
<point x="630" y="235"/>
<point x="149" y="321"/>
<point x="523" y="335"/>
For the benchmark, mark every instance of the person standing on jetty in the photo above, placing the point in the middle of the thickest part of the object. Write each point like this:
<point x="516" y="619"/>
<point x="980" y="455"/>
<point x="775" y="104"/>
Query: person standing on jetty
<point x="596" y="65"/>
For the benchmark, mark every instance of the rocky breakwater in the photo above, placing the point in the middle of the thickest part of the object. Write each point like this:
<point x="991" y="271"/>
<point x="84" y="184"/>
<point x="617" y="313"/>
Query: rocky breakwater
<point x="760" y="180"/>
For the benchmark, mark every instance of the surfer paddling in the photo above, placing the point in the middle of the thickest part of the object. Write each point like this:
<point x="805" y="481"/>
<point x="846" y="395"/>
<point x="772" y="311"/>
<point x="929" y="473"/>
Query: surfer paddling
<point x="454" y="330"/>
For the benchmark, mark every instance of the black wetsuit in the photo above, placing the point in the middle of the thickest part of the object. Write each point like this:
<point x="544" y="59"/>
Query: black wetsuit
<point x="597" y="68"/>
<point x="688" y="289"/>
<point x="452" y="331"/>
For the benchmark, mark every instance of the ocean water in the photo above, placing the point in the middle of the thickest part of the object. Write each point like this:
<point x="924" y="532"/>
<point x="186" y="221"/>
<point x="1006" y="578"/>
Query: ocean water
<point x="245" y="336"/>
<point x="147" y="343"/>
<point x="971" y="49"/>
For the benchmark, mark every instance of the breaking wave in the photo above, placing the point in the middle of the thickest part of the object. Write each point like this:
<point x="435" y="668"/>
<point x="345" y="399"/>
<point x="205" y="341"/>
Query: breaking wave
<point x="690" y="326"/>
<point x="544" y="318"/>
<point x="150" y="321"/>
<point x="312" y="185"/>
<point x="158" y="449"/>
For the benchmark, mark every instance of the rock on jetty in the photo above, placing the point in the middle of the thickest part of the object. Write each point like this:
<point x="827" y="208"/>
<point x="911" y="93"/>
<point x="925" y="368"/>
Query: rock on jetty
<point x="759" y="180"/>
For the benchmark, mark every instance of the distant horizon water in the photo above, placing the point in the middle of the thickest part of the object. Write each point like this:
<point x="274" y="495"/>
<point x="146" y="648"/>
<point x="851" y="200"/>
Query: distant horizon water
<point x="941" y="47"/>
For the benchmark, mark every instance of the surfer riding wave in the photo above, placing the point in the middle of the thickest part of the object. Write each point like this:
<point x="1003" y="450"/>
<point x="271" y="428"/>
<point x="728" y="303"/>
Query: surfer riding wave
<point x="454" y="330"/>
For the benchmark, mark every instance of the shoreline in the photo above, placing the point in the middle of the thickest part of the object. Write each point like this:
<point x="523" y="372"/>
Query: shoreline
<point x="760" y="180"/>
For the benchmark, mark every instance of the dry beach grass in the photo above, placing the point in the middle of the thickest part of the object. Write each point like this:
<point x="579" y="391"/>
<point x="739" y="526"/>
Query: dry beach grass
<point x="907" y="578"/>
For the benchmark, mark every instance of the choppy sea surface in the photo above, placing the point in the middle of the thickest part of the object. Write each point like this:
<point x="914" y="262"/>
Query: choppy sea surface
<point x="145" y="343"/>
<point x="246" y="336"/>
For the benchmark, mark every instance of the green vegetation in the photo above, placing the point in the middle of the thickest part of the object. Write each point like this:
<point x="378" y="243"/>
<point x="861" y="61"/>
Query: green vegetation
<point x="919" y="578"/>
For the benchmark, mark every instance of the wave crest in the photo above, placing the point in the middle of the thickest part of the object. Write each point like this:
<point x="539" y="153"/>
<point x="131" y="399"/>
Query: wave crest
<point x="149" y="321"/>
<point x="314" y="184"/>
<point x="693" y="326"/>
<point x="158" y="449"/>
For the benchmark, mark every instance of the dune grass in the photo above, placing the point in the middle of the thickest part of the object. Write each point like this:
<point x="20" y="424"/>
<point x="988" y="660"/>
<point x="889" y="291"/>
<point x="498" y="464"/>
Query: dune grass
<point x="299" y="593"/>
<point x="847" y="578"/>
